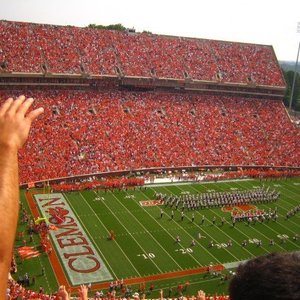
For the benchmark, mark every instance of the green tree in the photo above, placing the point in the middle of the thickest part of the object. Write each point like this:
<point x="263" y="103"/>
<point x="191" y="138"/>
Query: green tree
<point x="118" y="26"/>
<point x="289" y="76"/>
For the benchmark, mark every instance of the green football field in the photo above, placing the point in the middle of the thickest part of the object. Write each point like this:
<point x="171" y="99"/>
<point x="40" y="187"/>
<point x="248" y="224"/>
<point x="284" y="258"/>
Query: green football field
<point x="145" y="244"/>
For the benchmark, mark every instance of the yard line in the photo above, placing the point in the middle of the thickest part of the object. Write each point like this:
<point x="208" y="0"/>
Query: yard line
<point x="236" y="227"/>
<point x="242" y="231"/>
<point x="145" y="252"/>
<point x="193" y="237"/>
<point x="96" y="245"/>
<point x="276" y="232"/>
<point x="285" y="227"/>
<point x="152" y="235"/>
<point x="283" y="208"/>
<point x="278" y="204"/>
<point x="45" y="274"/>
<point x="164" y="230"/>
<point x="290" y="191"/>
<point x="268" y="227"/>
<point x="90" y="235"/>
<point x="217" y="228"/>
<point x="291" y="186"/>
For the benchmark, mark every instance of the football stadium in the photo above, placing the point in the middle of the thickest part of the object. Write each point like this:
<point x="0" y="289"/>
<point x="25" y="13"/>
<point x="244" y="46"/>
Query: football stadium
<point x="160" y="163"/>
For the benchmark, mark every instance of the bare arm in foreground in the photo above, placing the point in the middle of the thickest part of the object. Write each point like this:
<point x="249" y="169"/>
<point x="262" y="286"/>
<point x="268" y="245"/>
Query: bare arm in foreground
<point x="15" y="124"/>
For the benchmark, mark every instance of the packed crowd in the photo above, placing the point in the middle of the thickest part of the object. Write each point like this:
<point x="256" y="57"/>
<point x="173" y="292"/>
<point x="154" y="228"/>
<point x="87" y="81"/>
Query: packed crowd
<point x="107" y="184"/>
<point x="90" y="132"/>
<point x="218" y="199"/>
<point x="17" y="290"/>
<point x="27" y="47"/>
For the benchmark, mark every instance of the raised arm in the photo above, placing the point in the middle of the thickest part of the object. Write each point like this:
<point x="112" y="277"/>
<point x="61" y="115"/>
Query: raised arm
<point x="15" y="124"/>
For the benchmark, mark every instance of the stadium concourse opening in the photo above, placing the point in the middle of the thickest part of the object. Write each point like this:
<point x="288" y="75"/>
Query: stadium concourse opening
<point x="125" y="104"/>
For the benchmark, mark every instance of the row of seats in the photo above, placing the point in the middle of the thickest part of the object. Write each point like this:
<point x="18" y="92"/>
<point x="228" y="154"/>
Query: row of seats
<point x="25" y="47"/>
<point x="89" y="132"/>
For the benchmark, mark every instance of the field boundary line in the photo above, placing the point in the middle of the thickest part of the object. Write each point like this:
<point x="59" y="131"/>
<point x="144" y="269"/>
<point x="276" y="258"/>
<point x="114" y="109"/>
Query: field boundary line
<point x="164" y="230"/>
<point x="280" y="223"/>
<point x="234" y="264"/>
<point x="217" y="228"/>
<point x="162" y="276"/>
<point x="182" y="228"/>
<point x="175" y="183"/>
<point x="267" y="236"/>
<point x="90" y="235"/>
<point x="108" y="232"/>
<point x="213" y="239"/>
<point x="139" y="245"/>
<point x="58" y="270"/>
<point x="251" y="254"/>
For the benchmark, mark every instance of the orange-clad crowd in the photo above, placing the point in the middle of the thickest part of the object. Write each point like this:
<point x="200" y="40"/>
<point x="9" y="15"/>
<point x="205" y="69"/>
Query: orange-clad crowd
<point x="34" y="48"/>
<point x="85" y="132"/>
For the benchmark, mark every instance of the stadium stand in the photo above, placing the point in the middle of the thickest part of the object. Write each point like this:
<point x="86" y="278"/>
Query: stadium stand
<point x="100" y="129"/>
<point x="88" y="132"/>
<point x="18" y="52"/>
<point x="34" y="48"/>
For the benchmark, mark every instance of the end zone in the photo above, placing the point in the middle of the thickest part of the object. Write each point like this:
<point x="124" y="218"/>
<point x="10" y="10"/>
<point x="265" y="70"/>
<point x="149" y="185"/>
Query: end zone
<point x="81" y="261"/>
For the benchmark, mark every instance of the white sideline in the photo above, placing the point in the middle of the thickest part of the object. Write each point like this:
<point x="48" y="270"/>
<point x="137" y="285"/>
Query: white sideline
<point x="168" y="181"/>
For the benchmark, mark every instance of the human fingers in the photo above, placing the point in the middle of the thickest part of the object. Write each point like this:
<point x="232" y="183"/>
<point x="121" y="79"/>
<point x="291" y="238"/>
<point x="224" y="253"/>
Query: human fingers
<point x="61" y="288"/>
<point x="23" y="108"/>
<point x="201" y="295"/>
<point x="16" y="104"/>
<point x="5" y="106"/>
<point x="34" y="114"/>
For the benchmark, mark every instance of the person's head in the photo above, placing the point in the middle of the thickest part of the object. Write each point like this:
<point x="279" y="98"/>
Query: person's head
<point x="273" y="276"/>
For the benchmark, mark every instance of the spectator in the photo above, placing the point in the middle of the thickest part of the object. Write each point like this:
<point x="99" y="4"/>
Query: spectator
<point x="271" y="277"/>
<point x="15" y="124"/>
<point x="73" y="50"/>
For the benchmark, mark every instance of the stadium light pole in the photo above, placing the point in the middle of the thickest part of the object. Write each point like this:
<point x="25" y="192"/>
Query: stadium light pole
<point x="295" y="71"/>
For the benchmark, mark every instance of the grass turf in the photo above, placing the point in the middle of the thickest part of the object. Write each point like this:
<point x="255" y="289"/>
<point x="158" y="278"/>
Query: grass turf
<point x="145" y="242"/>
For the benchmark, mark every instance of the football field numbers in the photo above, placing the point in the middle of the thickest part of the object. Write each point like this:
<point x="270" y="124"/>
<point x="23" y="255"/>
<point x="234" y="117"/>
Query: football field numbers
<point x="282" y="236"/>
<point x="185" y="251"/>
<point x="147" y="255"/>
<point x="253" y="241"/>
<point x="222" y="245"/>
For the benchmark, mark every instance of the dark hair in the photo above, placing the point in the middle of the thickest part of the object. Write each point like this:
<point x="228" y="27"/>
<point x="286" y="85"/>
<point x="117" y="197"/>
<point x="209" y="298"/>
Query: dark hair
<point x="270" y="277"/>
